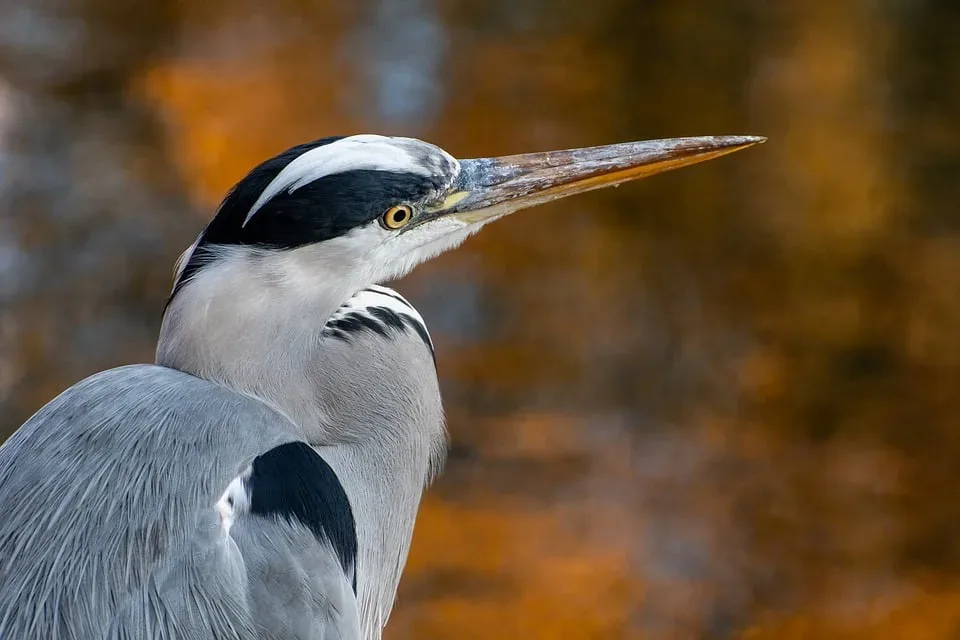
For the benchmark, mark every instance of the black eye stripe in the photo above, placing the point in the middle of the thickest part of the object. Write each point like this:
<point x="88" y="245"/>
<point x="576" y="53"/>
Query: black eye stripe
<point x="326" y="208"/>
<point x="323" y="209"/>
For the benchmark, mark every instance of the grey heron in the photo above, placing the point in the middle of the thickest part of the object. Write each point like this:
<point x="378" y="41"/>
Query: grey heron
<point x="262" y="478"/>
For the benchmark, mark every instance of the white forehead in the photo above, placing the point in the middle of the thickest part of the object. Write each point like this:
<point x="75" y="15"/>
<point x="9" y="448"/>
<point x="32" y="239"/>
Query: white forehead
<point x="370" y="152"/>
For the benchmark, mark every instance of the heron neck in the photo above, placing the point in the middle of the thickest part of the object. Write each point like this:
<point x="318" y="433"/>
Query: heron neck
<point x="248" y="313"/>
<point x="249" y="329"/>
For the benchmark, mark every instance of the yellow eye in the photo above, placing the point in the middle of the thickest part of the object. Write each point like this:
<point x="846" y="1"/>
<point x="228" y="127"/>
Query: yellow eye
<point x="397" y="216"/>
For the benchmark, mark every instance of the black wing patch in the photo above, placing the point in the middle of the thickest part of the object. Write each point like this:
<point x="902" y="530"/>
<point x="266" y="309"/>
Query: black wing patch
<point x="293" y="481"/>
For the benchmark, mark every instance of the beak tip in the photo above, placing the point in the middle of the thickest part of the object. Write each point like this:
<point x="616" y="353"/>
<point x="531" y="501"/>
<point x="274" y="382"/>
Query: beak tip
<point x="722" y="145"/>
<point x="740" y="141"/>
<point x="709" y="145"/>
<point x="751" y="140"/>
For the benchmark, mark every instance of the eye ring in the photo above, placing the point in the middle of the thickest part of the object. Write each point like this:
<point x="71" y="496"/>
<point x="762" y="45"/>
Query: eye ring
<point x="397" y="217"/>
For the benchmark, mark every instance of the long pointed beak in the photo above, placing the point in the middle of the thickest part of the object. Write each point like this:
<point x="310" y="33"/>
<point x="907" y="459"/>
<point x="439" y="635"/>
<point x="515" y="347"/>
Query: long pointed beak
<point x="492" y="187"/>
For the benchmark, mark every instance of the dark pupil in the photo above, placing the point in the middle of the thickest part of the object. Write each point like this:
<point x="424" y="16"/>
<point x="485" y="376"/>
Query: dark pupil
<point x="399" y="215"/>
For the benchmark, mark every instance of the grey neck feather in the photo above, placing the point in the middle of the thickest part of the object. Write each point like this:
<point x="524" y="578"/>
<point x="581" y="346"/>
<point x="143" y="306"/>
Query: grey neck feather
<point x="371" y="406"/>
<point x="247" y="313"/>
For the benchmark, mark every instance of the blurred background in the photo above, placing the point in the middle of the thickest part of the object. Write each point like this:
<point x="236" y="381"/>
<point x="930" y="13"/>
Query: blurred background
<point x="719" y="403"/>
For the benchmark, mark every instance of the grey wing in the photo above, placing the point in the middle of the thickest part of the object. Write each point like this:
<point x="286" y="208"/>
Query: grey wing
<point x="108" y="522"/>
<point x="297" y="588"/>
<point x="268" y="578"/>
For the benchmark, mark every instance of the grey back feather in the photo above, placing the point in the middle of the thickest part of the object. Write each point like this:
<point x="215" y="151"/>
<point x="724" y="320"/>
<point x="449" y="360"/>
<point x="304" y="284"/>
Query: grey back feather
<point x="98" y="475"/>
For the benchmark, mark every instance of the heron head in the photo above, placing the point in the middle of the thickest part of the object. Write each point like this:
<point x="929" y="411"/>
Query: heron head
<point x="366" y="208"/>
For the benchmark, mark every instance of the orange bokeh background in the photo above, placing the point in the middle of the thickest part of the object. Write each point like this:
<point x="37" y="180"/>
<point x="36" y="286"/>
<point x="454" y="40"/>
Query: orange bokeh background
<point x="721" y="403"/>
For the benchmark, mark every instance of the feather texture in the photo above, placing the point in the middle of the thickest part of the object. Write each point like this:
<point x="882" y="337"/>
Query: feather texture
<point x="115" y="520"/>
